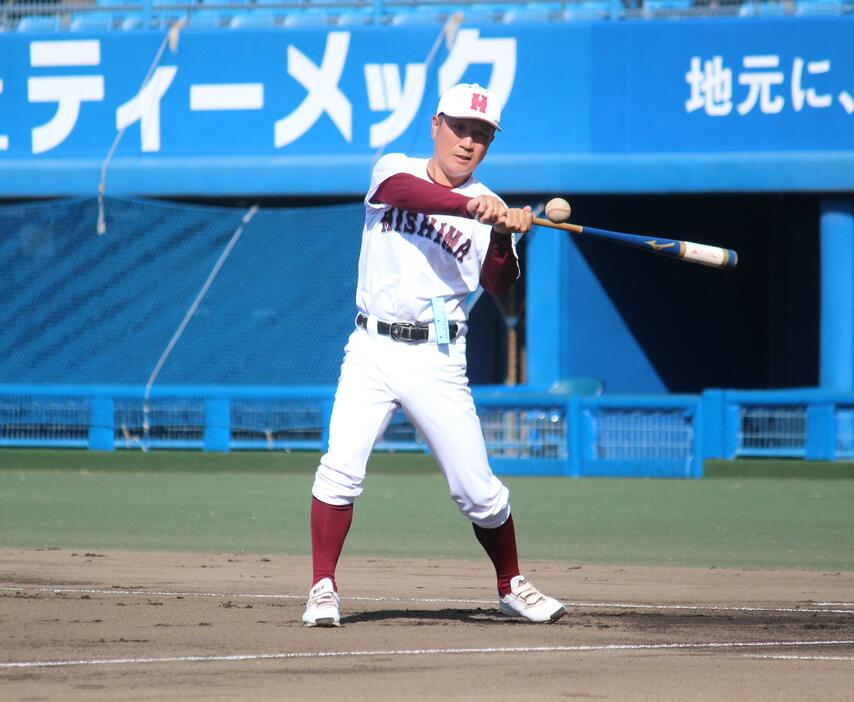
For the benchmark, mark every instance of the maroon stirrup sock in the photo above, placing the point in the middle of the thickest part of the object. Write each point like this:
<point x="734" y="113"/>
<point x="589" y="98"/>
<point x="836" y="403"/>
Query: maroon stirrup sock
<point x="329" y="527"/>
<point x="500" y="546"/>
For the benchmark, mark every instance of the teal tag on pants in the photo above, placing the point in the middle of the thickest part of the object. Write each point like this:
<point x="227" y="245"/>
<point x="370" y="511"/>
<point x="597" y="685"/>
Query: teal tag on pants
<point x="440" y="320"/>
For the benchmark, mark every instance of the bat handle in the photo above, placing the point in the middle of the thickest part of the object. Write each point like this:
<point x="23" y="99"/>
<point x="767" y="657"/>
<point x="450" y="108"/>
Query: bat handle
<point x="566" y="226"/>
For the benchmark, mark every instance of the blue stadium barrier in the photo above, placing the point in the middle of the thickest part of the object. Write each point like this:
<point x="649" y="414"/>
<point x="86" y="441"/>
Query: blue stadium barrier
<point x="649" y="436"/>
<point x="806" y="423"/>
<point x="527" y="432"/>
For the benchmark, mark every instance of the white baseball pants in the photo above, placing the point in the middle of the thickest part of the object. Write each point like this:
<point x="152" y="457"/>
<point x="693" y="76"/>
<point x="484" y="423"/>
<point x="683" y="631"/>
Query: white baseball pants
<point x="429" y="382"/>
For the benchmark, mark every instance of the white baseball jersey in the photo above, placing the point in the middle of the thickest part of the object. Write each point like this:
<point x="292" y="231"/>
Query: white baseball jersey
<point x="408" y="258"/>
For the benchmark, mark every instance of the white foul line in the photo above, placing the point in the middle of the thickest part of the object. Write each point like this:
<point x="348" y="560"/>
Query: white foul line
<point x="150" y="593"/>
<point x="424" y="600"/>
<point x="711" y="608"/>
<point x="836" y="604"/>
<point x="423" y="652"/>
<point x="801" y="658"/>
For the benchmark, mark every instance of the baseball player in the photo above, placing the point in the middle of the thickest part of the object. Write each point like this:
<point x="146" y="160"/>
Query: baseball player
<point x="432" y="232"/>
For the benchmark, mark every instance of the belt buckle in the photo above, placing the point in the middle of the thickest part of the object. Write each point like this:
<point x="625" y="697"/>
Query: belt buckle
<point x="402" y="331"/>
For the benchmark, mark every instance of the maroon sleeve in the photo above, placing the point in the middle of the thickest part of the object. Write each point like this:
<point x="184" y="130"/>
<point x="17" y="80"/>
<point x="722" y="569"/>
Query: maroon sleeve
<point x="409" y="192"/>
<point x="501" y="267"/>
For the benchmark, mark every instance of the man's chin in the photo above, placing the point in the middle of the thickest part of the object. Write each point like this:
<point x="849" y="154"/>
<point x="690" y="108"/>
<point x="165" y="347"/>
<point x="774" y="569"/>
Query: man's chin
<point x="460" y="171"/>
<point x="456" y="172"/>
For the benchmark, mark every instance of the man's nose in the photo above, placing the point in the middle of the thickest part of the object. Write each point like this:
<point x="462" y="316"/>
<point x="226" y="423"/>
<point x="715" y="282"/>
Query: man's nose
<point x="467" y="143"/>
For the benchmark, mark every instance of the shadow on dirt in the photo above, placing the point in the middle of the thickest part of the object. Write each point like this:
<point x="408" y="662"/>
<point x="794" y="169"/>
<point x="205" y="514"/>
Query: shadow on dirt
<point x="432" y="616"/>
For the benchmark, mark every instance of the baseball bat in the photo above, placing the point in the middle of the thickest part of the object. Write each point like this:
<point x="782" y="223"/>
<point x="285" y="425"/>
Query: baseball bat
<point x="705" y="255"/>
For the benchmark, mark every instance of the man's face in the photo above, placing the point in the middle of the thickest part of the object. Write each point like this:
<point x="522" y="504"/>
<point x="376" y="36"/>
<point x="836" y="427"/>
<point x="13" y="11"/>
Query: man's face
<point x="459" y="145"/>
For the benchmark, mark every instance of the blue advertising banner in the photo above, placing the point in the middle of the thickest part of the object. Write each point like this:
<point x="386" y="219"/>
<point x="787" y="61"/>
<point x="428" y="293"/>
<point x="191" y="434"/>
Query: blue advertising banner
<point x="634" y="106"/>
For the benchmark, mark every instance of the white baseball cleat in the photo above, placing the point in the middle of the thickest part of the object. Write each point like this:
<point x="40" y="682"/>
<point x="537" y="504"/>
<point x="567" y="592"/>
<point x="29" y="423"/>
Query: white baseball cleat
<point x="527" y="601"/>
<point x="322" y="606"/>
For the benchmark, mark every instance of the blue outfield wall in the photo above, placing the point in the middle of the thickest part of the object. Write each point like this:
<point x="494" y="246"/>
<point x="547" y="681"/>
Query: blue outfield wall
<point x="688" y="105"/>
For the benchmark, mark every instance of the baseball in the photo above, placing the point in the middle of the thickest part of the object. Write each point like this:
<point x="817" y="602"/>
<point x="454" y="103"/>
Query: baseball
<point x="558" y="210"/>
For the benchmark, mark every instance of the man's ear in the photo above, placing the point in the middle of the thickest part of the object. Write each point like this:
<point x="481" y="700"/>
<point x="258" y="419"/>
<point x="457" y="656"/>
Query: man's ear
<point x="434" y="127"/>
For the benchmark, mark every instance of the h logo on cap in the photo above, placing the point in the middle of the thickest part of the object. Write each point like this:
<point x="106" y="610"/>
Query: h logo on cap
<point x="478" y="102"/>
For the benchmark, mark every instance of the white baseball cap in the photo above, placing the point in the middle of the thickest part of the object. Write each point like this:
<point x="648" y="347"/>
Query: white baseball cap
<point x="471" y="101"/>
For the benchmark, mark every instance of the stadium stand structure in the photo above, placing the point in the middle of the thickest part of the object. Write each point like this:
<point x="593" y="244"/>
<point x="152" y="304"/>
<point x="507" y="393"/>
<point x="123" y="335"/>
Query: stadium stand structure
<point x="107" y="15"/>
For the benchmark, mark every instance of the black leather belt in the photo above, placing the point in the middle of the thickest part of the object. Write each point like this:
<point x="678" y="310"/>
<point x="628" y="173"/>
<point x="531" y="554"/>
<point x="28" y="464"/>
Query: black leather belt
<point x="405" y="331"/>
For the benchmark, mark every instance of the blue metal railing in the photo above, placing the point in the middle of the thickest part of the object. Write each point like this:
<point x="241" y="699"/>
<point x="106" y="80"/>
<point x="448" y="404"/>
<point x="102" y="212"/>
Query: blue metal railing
<point x="527" y="432"/>
<point x="800" y="423"/>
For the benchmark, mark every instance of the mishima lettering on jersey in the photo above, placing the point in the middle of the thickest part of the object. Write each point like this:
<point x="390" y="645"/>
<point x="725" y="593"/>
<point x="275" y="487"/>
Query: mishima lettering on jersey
<point x="407" y="258"/>
<point x="440" y="233"/>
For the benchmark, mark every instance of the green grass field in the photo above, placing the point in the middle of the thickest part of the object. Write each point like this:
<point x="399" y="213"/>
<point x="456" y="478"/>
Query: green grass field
<point x="755" y="515"/>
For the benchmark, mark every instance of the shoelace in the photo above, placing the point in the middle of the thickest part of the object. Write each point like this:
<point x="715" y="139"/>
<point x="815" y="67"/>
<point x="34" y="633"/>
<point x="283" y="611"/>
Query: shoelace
<point x="529" y="594"/>
<point x="324" y="599"/>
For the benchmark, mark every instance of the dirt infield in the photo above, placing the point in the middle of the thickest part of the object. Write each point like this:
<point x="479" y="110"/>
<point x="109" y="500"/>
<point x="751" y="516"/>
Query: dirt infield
<point x="144" y="626"/>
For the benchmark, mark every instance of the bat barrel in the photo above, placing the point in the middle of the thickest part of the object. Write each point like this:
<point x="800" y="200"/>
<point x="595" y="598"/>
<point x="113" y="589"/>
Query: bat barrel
<point x="706" y="255"/>
<point x="703" y="254"/>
